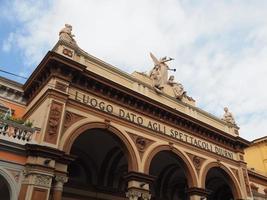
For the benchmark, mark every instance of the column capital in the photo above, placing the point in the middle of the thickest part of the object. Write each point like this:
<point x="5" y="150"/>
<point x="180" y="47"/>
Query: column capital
<point x="61" y="178"/>
<point x="135" y="194"/>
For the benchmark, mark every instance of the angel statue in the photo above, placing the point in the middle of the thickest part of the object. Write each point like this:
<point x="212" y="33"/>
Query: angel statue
<point x="65" y="34"/>
<point x="228" y="117"/>
<point x="159" y="74"/>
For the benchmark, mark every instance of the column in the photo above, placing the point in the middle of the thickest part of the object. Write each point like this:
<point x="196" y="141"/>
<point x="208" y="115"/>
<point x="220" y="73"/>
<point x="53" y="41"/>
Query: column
<point x="58" y="186"/>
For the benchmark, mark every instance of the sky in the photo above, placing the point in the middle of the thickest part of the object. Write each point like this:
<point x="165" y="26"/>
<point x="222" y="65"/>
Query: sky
<point x="219" y="47"/>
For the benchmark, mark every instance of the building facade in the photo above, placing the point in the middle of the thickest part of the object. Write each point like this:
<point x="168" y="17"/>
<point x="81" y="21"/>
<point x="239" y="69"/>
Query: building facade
<point x="91" y="131"/>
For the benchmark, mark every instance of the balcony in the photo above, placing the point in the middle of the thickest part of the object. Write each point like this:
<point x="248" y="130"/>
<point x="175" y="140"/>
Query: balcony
<point x="15" y="132"/>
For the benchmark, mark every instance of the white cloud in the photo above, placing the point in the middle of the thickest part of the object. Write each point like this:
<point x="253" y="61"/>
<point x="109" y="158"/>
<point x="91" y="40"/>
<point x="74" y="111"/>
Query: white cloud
<point x="219" y="46"/>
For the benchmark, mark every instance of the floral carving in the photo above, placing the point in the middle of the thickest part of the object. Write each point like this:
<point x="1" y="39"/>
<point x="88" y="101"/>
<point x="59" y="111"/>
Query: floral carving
<point x="71" y="118"/>
<point x="53" y="122"/>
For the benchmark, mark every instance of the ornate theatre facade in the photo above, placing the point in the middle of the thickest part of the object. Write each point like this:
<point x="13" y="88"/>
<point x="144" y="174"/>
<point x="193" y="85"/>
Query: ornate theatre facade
<point x="100" y="133"/>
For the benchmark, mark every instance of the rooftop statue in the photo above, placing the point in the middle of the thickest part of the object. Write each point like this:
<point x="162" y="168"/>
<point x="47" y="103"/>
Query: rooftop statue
<point x="177" y="87"/>
<point x="66" y="35"/>
<point x="159" y="73"/>
<point x="228" y="117"/>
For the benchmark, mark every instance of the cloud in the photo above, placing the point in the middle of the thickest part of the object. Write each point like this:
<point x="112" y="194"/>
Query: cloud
<point x="219" y="49"/>
<point x="7" y="44"/>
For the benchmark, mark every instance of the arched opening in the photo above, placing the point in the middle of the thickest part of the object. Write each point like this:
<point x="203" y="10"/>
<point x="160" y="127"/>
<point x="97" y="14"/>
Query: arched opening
<point x="4" y="189"/>
<point x="171" y="177"/>
<point x="219" y="184"/>
<point x="99" y="169"/>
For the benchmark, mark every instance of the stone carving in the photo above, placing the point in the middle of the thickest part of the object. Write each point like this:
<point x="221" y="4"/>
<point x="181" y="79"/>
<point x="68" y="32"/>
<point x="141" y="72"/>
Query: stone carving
<point x="71" y="118"/>
<point x="159" y="74"/>
<point x="197" y="161"/>
<point x="133" y="195"/>
<point x="146" y="196"/>
<point x="67" y="52"/>
<point x="138" y="195"/>
<point x="15" y="174"/>
<point x="66" y="35"/>
<point x="228" y="117"/>
<point x="53" y="122"/>
<point x="62" y="179"/>
<point x="141" y="143"/>
<point x="178" y="88"/>
<point x="54" y="119"/>
<point x="42" y="180"/>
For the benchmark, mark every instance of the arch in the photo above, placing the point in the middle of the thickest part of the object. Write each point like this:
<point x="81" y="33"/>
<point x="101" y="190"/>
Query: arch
<point x="189" y="170"/>
<point x="127" y="147"/>
<point x="12" y="185"/>
<point x="234" y="183"/>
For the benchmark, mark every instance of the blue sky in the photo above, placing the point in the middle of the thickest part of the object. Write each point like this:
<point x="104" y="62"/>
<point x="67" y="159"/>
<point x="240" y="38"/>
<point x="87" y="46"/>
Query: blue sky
<point x="220" y="47"/>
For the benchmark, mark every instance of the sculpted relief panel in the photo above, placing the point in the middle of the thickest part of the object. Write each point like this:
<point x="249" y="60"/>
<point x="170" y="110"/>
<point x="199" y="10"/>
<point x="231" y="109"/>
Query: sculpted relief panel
<point x="53" y="123"/>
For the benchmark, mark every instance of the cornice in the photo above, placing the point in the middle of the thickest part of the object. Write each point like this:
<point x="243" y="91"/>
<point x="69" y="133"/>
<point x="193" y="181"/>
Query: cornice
<point x="258" y="176"/>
